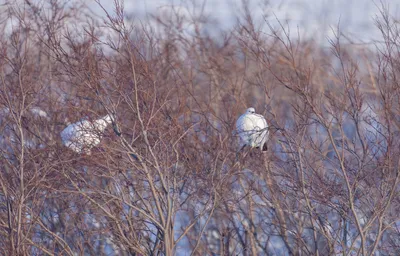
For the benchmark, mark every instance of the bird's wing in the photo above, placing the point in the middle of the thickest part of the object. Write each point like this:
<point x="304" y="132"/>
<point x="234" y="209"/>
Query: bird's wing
<point x="76" y="130"/>
<point x="251" y="122"/>
<point x="39" y="112"/>
<point x="100" y="125"/>
<point x="67" y="132"/>
<point x="239" y="123"/>
<point x="83" y="127"/>
<point x="243" y="124"/>
<point x="240" y="128"/>
<point x="259" y="122"/>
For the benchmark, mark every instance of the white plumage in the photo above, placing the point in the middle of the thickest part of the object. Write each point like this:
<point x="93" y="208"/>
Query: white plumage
<point x="82" y="136"/>
<point x="252" y="129"/>
<point x="38" y="112"/>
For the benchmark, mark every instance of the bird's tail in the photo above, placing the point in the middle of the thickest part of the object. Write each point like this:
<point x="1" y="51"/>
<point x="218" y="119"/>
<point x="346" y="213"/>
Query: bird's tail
<point x="265" y="147"/>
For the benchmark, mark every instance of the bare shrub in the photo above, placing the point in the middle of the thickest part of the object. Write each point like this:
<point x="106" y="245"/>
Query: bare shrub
<point x="165" y="178"/>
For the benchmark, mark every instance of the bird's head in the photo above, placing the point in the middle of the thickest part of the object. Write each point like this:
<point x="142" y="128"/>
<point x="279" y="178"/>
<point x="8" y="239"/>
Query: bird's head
<point x="109" y="118"/>
<point x="250" y="111"/>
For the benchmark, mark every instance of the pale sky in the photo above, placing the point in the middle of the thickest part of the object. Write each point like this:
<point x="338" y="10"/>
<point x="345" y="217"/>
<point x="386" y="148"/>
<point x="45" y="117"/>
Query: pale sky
<point x="313" y="17"/>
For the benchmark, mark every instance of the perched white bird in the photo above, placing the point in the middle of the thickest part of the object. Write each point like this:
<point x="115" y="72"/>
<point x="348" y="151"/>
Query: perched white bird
<point x="38" y="112"/>
<point x="252" y="129"/>
<point x="35" y="111"/>
<point x="84" y="135"/>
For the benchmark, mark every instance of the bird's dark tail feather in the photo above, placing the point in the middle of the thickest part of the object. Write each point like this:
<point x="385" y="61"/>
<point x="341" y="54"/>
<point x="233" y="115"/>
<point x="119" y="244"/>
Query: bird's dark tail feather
<point x="134" y="156"/>
<point x="265" y="147"/>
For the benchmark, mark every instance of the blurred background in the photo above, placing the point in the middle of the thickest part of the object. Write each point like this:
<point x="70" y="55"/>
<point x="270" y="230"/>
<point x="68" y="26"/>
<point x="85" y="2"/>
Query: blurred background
<point x="312" y="18"/>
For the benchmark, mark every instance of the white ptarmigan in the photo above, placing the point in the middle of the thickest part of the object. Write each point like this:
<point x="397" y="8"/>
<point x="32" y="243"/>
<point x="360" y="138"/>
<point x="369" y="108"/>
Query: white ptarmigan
<point x="252" y="129"/>
<point x="82" y="136"/>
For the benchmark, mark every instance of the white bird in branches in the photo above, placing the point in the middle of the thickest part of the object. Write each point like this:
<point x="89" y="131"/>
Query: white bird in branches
<point x="82" y="136"/>
<point x="35" y="111"/>
<point x="38" y="112"/>
<point x="252" y="129"/>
